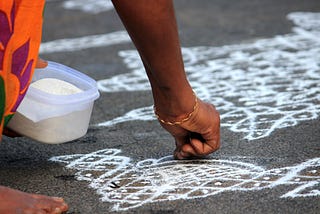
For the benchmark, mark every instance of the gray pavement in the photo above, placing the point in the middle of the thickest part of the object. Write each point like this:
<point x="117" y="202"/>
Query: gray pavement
<point x="255" y="62"/>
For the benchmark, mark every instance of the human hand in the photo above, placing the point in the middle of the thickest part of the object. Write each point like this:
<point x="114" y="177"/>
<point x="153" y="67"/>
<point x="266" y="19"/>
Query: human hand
<point x="10" y="133"/>
<point x="199" y="135"/>
<point x="41" y="63"/>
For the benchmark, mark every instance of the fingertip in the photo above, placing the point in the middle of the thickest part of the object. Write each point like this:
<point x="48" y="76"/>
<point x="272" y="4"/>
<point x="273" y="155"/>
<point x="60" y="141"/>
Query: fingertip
<point x="184" y="152"/>
<point x="176" y="155"/>
<point x="187" y="151"/>
<point x="41" y="63"/>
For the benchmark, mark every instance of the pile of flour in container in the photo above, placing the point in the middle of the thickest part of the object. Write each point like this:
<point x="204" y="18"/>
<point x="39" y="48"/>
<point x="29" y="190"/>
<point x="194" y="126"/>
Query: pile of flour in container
<point x="55" y="86"/>
<point x="57" y="106"/>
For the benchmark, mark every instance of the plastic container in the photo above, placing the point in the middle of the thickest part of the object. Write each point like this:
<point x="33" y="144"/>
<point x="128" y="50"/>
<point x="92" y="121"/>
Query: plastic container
<point x="53" y="119"/>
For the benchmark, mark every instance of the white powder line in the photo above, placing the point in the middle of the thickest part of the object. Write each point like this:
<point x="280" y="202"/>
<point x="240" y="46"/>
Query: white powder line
<point x="92" y="41"/>
<point x="87" y="6"/>
<point x="296" y="192"/>
<point x="295" y="170"/>
<point x="257" y="87"/>
<point x="144" y="114"/>
<point x="164" y="179"/>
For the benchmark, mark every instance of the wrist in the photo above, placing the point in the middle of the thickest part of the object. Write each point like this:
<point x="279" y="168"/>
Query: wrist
<point x="174" y="105"/>
<point x="177" y="119"/>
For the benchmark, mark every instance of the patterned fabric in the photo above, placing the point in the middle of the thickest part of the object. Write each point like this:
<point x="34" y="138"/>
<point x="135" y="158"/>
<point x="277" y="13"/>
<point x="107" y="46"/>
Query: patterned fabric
<point x="20" y="37"/>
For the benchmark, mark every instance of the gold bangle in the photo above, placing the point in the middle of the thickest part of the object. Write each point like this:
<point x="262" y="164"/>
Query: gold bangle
<point x="172" y="123"/>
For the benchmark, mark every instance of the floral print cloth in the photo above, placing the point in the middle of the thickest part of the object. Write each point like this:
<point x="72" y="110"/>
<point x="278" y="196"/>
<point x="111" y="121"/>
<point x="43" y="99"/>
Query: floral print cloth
<point x="20" y="37"/>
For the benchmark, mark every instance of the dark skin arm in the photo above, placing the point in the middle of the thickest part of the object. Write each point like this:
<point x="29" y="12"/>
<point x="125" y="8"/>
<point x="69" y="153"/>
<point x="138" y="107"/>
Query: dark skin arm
<point x="153" y="29"/>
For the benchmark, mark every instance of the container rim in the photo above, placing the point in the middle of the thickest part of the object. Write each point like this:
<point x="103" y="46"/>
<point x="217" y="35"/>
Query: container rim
<point x="87" y="95"/>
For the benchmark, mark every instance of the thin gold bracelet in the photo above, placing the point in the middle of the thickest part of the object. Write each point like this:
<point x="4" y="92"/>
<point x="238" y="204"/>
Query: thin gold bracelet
<point x="172" y="123"/>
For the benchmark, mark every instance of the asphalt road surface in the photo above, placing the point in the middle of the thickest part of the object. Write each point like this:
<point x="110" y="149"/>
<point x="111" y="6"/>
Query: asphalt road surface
<point x="258" y="61"/>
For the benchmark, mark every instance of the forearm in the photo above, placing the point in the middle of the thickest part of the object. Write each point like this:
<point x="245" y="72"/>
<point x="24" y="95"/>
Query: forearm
<point x="153" y="29"/>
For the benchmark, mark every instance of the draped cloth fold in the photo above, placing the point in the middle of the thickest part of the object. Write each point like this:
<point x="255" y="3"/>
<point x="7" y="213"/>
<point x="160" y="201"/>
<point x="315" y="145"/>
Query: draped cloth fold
<point x="20" y="37"/>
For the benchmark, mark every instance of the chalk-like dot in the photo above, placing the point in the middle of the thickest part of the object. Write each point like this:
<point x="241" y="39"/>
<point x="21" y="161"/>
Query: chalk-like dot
<point x="116" y="196"/>
<point x="205" y="191"/>
<point x="250" y="103"/>
<point x="303" y="116"/>
<point x="315" y="192"/>
<point x="135" y="198"/>
<point x="172" y="197"/>
<point x="100" y="180"/>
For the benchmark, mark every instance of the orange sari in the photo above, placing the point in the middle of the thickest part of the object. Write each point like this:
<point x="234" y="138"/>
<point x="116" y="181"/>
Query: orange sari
<point x="20" y="37"/>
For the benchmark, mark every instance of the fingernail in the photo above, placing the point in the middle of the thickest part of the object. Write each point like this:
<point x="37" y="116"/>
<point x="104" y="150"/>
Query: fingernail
<point x="184" y="154"/>
<point x="177" y="156"/>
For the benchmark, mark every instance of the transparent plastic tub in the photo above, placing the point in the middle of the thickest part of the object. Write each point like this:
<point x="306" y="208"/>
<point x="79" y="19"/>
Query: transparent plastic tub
<point x="54" y="119"/>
